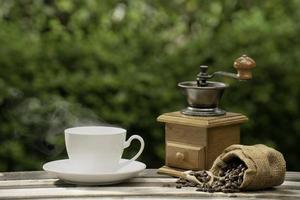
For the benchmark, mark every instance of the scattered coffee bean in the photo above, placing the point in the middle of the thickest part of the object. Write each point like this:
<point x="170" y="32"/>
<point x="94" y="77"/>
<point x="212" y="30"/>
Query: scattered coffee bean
<point x="221" y="173"/>
<point x="229" y="179"/>
<point x="181" y="180"/>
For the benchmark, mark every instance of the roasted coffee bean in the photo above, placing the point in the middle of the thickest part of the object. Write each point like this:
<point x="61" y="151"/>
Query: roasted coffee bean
<point x="240" y="166"/>
<point x="234" y="185"/>
<point x="199" y="173"/>
<point x="222" y="180"/>
<point x="227" y="185"/>
<point x="208" y="178"/>
<point x="239" y="182"/>
<point x="192" y="184"/>
<point x="234" y="177"/>
<point x="210" y="190"/>
<point x="225" y="190"/>
<point x="186" y="184"/>
<point x="181" y="180"/>
<point x="221" y="173"/>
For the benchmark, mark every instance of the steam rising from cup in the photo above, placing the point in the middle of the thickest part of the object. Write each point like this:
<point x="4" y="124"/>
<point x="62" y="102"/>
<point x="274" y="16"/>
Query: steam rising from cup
<point x="42" y="123"/>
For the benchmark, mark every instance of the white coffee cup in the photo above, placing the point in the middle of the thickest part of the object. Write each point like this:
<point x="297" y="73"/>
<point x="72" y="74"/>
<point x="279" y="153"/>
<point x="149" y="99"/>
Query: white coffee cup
<point x="98" y="148"/>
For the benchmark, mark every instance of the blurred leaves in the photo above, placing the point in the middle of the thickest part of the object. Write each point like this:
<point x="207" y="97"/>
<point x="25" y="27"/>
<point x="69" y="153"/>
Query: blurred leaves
<point x="67" y="62"/>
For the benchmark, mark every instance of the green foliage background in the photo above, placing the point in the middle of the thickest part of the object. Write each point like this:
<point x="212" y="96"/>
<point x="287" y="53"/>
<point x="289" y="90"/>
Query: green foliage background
<point x="64" y="63"/>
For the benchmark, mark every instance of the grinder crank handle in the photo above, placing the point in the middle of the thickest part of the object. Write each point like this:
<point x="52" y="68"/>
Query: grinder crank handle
<point x="243" y="65"/>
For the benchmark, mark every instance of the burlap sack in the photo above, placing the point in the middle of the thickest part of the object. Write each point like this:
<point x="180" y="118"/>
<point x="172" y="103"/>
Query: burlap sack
<point x="266" y="166"/>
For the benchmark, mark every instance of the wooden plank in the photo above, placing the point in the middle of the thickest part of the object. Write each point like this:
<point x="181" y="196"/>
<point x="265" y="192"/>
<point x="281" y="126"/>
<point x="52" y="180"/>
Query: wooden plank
<point x="44" y="175"/>
<point x="134" y="182"/>
<point x="152" y="197"/>
<point x="137" y="198"/>
<point x="292" y="176"/>
<point x="25" y="175"/>
<point x="29" y="175"/>
<point x="134" y="198"/>
<point x="146" y="198"/>
<point x="136" y="191"/>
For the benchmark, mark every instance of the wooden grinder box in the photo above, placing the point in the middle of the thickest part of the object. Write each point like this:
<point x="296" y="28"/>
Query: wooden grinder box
<point x="193" y="143"/>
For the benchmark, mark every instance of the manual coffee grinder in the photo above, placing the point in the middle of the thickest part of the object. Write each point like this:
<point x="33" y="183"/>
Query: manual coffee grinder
<point x="196" y="135"/>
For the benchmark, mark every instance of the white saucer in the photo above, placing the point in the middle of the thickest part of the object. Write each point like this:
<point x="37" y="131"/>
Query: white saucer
<point x="67" y="172"/>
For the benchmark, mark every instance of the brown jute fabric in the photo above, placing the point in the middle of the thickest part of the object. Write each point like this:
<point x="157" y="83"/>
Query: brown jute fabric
<point x="266" y="166"/>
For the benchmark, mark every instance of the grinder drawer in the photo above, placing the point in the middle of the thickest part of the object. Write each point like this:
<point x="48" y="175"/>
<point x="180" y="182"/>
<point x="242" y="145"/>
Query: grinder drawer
<point x="185" y="156"/>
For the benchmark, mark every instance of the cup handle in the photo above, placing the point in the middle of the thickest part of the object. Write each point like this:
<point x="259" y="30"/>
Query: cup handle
<point x="127" y="144"/>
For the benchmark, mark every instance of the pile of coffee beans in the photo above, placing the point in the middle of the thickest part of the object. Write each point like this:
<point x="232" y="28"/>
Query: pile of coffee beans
<point x="228" y="180"/>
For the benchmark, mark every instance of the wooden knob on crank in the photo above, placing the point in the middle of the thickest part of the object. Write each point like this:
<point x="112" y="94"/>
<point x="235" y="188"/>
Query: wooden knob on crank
<point x="179" y="156"/>
<point x="243" y="65"/>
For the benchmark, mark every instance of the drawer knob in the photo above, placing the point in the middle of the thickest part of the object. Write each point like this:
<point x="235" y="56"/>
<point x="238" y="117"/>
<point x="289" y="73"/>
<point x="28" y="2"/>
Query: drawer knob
<point x="179" y="156"/>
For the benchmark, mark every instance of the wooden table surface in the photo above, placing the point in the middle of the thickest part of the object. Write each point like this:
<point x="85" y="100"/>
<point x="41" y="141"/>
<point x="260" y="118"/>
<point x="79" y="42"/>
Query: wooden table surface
<point x="149" y="185"/>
